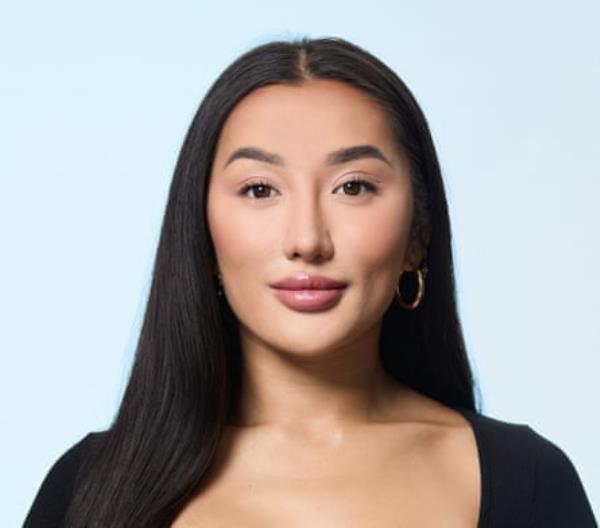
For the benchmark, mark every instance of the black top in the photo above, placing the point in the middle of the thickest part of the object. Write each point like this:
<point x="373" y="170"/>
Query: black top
<point x="526" y="480"/>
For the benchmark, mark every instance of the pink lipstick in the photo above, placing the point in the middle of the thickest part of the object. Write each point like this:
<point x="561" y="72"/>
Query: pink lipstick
<point x="304" y="292"/>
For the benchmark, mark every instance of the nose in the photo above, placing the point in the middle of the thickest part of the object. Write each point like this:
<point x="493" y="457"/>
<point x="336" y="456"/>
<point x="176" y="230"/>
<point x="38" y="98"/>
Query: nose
<point x="306" y="234"/>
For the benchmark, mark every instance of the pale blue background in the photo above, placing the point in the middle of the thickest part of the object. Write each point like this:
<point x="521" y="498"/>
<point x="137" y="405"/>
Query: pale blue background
<point x="94" y="104"/>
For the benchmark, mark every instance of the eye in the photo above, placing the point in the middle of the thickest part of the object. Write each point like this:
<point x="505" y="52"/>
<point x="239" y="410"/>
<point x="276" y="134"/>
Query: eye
<point x="260" y="189"/>
<point x="354" y="186"/>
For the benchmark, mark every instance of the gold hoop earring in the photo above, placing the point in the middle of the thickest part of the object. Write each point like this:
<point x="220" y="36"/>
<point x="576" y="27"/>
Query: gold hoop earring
<point x="421" y="273"/>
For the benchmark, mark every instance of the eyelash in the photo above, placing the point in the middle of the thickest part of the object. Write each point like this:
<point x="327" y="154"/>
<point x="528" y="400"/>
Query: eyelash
<point x="370" y="187"/>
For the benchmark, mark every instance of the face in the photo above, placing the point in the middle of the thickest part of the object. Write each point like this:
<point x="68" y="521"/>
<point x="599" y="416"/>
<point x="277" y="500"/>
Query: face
<point x="301" y="203"/>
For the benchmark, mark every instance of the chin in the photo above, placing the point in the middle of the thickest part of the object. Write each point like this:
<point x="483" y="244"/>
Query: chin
<point x="305" y="342"/>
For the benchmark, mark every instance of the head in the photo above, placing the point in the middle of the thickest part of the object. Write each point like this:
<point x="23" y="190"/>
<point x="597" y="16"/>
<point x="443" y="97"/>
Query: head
<point x="308" y="177"/>
<point x="301" y="101"/>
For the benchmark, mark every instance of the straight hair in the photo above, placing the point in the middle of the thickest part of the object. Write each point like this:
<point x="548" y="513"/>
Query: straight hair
<point x="186" y="375"/>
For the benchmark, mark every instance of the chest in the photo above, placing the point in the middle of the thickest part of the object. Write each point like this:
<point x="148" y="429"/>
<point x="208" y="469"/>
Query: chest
<point x="359" y="487"/>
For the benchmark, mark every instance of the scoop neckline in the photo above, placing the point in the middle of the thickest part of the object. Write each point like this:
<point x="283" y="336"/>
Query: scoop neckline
<point x="485" y="491"/>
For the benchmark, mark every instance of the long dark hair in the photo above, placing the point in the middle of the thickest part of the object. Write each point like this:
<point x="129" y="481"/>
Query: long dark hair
<point x="185" y="378"/>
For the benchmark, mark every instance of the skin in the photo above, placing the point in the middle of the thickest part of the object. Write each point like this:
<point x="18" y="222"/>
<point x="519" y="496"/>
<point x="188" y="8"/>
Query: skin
<point x="323" y="436"/>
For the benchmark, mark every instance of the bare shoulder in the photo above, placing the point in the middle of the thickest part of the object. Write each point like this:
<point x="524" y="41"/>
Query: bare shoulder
<point x="448" y="444"/>
<point x="444" y="431"/>
<point x="412" y="406"/>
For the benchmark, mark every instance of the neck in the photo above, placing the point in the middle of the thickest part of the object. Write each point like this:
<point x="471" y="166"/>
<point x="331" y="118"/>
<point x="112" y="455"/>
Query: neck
<point x="316" y="390"/>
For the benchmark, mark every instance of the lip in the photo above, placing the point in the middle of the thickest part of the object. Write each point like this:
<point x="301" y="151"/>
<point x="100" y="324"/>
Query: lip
<point x="309" y="300"/>
<point x="304" y="281"/>
<point x="304" y="292"/>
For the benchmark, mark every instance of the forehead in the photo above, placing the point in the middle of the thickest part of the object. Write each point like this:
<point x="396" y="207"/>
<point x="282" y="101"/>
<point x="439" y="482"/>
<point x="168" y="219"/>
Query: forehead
<point x="310" y="118"/>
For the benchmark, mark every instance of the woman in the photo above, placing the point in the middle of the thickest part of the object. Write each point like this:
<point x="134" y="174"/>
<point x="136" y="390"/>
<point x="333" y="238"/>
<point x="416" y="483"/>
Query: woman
<point x="301" y="361"/>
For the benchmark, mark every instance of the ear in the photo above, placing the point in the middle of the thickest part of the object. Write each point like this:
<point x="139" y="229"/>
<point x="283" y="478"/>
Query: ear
<point x="417" y="246"/>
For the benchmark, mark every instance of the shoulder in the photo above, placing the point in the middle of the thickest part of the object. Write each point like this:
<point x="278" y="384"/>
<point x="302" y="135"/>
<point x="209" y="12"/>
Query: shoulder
<point x="559" y="494"/>
<point x="54" y="493"/>
<point x="525" y="472"/>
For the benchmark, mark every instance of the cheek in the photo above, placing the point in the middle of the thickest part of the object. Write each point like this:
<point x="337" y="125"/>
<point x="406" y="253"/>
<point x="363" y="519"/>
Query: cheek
<point x="240" y="238"/>
<point x="243" y="241"/>
<point x="377" y="239"/>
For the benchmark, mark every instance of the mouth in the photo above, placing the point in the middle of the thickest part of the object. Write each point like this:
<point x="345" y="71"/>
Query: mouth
<point x="309" y="299"/>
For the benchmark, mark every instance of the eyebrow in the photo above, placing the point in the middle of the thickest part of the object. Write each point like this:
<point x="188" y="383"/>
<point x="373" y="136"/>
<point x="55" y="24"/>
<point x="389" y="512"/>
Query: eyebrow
<point x="336" y="157"/>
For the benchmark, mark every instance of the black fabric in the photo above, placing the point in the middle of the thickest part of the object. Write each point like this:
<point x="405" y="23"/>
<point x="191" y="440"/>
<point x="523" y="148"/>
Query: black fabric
<point x="53" y="497"/>
<point x="527" y="481"/>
